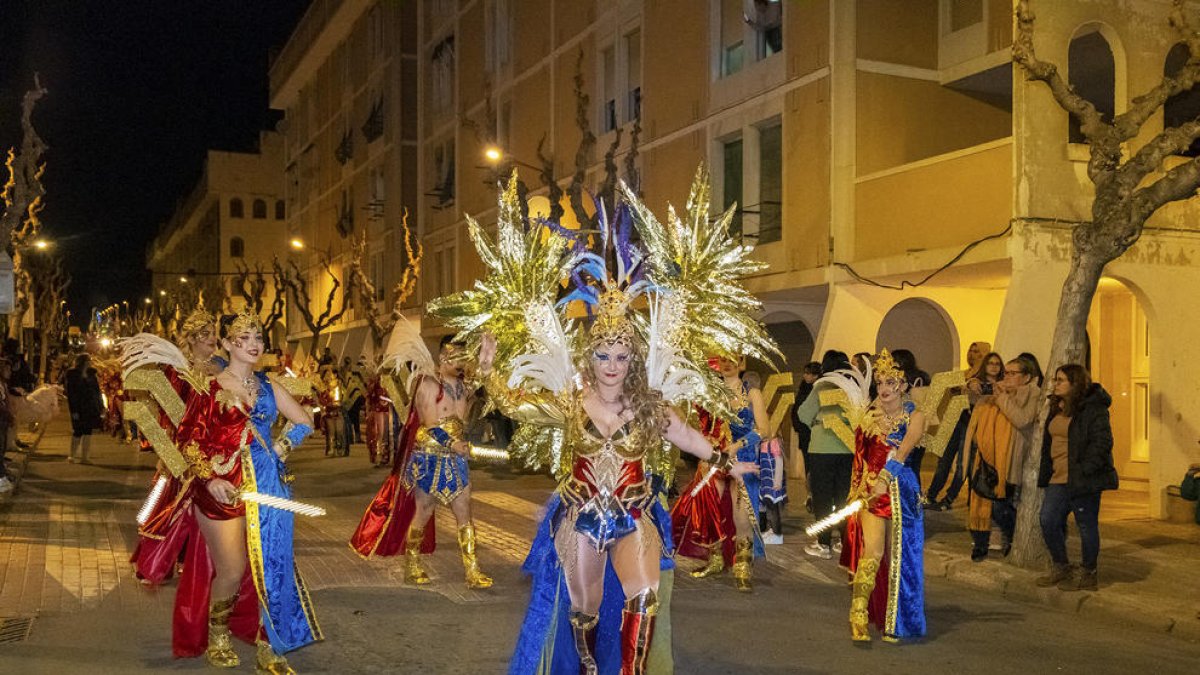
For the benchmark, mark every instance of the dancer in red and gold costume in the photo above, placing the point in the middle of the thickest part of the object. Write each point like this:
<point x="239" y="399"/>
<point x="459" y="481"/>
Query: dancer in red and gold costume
<point x="239" y="576"/>
<point x="430" y="465"/>
<point x="379" y="417"/>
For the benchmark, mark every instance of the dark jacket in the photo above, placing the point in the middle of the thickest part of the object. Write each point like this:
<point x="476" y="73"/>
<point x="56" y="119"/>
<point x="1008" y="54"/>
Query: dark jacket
<point x="1090" y="466"/>
<point x="803" y="433"/>
<point x="83" y="399"/>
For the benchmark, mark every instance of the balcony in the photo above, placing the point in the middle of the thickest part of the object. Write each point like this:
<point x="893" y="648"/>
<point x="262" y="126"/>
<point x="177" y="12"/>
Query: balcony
<point x="943" y="201"/>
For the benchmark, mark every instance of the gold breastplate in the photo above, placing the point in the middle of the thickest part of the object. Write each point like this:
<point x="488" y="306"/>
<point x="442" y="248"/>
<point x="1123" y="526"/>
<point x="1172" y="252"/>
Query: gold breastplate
<point x="427" y="443"/>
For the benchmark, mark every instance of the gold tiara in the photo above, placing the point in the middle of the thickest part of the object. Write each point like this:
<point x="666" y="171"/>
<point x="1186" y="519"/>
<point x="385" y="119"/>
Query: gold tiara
<point x="199" y="318"/>
<point x="612" y="325"/>
<point x="244" y="321"/>
<point x="885" y="366"/>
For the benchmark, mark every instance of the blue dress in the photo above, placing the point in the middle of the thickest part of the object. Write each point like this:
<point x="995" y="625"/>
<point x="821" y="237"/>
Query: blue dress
<point x="905" y="615"/>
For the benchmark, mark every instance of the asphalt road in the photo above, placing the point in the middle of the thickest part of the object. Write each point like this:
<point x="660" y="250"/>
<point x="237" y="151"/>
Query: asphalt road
<point x="63" y="543"/>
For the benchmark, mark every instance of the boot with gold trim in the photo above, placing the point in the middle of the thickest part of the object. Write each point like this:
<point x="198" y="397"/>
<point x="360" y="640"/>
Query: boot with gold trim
<point x="466" y="544"/>
<point x="583" y="626"/>
<point x="860" y="589"/>
<point x="637" y="630"/>
<point x="220" y="652"/>
<point x="743" y="554"/>
<point x="715" y="565"/>
<point x="413" y="572"/>
<point x="267" y="662"/>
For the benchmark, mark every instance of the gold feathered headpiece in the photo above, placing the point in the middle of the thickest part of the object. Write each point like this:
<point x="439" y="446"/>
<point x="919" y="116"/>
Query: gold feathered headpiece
<point x="612" y="325"/>
<point x="245" y="320"/>
<point x="885" y="367"/>
<point x="199" y="318"/>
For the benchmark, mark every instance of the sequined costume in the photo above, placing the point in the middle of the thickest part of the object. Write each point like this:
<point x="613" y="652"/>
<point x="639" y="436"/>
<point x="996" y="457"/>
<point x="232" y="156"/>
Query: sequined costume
<point x="897" y="604"/>
<point x="379" y="416"/>
<point x="221" y="440"/>
<point x="703" y="523"/>
<point x="607" y="513"/>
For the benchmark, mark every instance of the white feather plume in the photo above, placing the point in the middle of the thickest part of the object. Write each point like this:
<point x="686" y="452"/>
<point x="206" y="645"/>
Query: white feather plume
<point x="406" y="349"/>
<point x="146" y="349"/>
<point x="39" y="406"/>
<point x="550" y="366"/>
<point x="856" y="385"/>
<point x="667" y="371"/>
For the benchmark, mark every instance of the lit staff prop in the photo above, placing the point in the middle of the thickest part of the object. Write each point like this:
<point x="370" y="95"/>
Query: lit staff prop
<point x="712" y="469"/>
<point x="836" y="517"/>
<point x="282" y="504"/>
<point x="152" y="500"/>
<point x="486" y="454"/>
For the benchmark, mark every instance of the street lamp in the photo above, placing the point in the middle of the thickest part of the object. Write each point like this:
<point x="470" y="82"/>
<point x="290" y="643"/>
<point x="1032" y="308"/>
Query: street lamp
<point x="297" y="243"/>
<point x="146" y="301"/>
<point x="183" y="280"/>
<point x="41" y="244"/>
<point x="495" y="155"/>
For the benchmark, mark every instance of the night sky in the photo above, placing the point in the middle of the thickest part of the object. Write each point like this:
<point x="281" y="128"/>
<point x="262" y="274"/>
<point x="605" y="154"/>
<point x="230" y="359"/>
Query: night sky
<point x="139" y="89"/>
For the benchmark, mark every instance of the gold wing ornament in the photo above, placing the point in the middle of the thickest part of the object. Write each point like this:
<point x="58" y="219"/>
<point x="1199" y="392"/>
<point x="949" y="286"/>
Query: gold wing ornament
<point x="143" y="357"/>
<point x="404" y="358"/>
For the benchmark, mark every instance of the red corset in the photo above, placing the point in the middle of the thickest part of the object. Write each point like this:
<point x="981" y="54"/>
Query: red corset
<point x="870" y="456"/>
<point x="211" y="437"/>
<point x="608" y="478"/>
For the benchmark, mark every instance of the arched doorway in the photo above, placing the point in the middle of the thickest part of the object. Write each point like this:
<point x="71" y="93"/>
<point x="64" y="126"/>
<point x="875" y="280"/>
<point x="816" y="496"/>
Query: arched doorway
<point x="794" y="338"/>
<point x="1120" y="361"/>
<point x="924" y="328"/>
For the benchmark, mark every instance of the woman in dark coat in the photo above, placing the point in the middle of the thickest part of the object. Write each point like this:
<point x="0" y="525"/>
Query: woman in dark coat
<point x="1077" y="466"/>
<point x="86" y="406"/>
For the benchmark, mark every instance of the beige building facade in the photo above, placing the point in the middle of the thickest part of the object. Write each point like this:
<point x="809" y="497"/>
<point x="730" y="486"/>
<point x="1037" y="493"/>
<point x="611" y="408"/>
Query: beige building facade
<point x="906" y="185"/>
<point x="346" y="82"/>
<point x="234" y="217"/>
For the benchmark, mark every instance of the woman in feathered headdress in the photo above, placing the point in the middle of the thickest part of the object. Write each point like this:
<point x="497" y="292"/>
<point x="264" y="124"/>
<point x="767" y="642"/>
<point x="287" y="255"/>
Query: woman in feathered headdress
<point x="595" y="403"/>
<point x="886" y="537"/>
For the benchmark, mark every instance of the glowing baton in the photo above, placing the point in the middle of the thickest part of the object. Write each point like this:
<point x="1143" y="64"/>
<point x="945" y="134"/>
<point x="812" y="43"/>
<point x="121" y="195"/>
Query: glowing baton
<point x="836" y="517"/>
<point x="152" y="500"/>
<point x="712" y="470"/>
<point x="282" y="504"/>
<point x="487" y="454"/>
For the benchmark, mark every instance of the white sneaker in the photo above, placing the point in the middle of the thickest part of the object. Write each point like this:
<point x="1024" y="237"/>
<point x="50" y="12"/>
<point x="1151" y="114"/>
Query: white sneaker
<point x="772" y="539"/>
<point x="837" y="546"/>
<point x="5" y="485"/>
<point x="816" y="550"/>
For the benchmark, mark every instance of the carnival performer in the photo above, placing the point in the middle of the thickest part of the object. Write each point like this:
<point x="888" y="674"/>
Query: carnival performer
<point x="886" y="537"/>
<point x="716" y="517"/>
<point x="243" y="579"/>
<point x="379" y="415"/>
<point x="430" y="464"/>
<point x="165" y="529"/>
<point x="606" y="426"/>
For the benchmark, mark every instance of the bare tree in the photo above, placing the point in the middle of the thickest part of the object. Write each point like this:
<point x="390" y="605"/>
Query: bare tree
<point x="380" y="324"/>
<point x="1129" y="187"/>
<point x="48" y="286"/>
<point x="23" y="201"/>
<point x="297" y="286"/>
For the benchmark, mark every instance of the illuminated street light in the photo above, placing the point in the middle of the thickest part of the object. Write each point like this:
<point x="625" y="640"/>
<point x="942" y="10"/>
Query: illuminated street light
<point x="297" y="243"/>
<point x="146" y="300"/>
<point x="183" y="280"/>
<point x="493" y="154"/>
<point x="163" y="293"/>
<point x="41" y="244"/>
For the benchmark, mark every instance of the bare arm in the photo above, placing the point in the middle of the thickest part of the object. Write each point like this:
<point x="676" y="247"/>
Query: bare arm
<point x="759" y="408"/>
<point x="691" y="441"/>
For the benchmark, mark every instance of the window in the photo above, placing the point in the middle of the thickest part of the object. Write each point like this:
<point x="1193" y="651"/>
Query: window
<point x="1091" y="72"/>
<point x="345" y="222"/>
<point x="280" y="210"/>
<point x="767" y="22"/>
<point x="633" y="75"/>
<point x="236" y="210"/>
<point x="608" y="97"/>
<point x="733" y="33"/>
<point x="442" y="172"/>
<point x="731" y="163"/>
<point x="377" y="276"/>
<point x="1184" y="106"/>
<point x="237" y="248"/>
<point x="770" y="177"/>
<point x="259" y="209"/>
<point x="498" y="32"/>
<point x="441" y="73"/>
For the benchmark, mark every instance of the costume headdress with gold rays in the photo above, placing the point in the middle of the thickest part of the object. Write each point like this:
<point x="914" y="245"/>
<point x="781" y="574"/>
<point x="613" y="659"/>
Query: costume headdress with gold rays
<point x="885" y="367"/>
<point x="199" y="318"/>
<point x="245" y="320"/>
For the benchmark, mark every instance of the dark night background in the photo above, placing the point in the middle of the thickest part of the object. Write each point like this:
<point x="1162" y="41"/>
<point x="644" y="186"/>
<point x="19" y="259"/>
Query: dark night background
<point x="139" y="89"/>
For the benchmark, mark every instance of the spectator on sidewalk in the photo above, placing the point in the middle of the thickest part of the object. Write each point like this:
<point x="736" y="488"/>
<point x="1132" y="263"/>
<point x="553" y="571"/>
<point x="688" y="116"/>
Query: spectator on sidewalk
<point x="6" y="425"/>
<point x="832" y="455"/>
<point x="86" y="406"/>
<point x="1076" y="467"/>
<point x="1035" y="368"/>
<point x="812" y="371"/>
<point x="1001" y="429"/>
<point x="952" y="457"/>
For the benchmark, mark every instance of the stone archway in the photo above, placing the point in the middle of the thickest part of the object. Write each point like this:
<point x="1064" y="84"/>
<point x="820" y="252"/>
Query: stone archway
<point x="923" y="327"/>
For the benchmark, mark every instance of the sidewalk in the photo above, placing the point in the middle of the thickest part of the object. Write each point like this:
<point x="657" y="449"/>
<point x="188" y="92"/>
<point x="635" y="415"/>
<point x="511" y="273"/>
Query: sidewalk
<point x="17" y="460"/>
<point x="1147" y="567"/>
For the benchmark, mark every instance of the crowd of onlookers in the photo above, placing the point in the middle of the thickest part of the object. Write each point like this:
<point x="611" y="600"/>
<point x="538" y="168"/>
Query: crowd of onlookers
<point x="985" y="454"/>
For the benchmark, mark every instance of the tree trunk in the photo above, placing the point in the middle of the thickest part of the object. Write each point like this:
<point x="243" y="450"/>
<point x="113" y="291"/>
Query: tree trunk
<point x="45" y="356"/>
<point x="1070" y="340"/>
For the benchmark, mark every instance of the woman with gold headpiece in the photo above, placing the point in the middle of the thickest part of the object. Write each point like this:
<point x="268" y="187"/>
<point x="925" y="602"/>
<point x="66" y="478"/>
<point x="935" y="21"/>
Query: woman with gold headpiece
<point x="166" y="527"/>
<point x="596" y="407"/>
<point x="241" y="579"/>
<point x="886" y="536"/>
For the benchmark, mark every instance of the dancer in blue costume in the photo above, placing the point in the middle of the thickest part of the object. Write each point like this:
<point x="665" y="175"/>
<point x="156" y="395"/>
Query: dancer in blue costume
<point x="886" y="537"/>
<point x="242" y="577"/>
<point x="596" y="406"/>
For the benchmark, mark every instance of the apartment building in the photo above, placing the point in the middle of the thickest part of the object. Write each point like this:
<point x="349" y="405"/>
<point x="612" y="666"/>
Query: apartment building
<point x="234" y="217"/>
<point x="346" y="82"/>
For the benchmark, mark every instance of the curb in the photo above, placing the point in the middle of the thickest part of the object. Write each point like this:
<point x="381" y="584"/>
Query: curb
<point x="1017" y="584"/>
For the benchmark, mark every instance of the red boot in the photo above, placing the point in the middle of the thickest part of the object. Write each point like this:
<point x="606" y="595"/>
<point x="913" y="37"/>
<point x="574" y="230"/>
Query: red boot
<point x="637" y="629"/>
